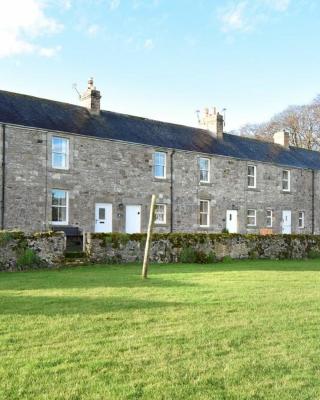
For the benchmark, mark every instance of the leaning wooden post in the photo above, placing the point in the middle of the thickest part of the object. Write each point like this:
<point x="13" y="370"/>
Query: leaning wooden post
<point x="148" y="242"/>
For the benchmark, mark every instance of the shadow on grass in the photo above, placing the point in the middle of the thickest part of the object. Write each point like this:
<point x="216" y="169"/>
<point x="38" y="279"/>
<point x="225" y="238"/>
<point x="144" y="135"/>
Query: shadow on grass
<point x="128" y="276"/>
<point x="65" y="305"/>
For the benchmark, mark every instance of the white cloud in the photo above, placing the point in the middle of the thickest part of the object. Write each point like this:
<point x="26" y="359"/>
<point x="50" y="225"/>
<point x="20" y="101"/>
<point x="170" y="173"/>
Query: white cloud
<point x="114" y="4"/>
<point x="245" y="16"/>
<point x="148" y="44"/>
<point x="93" y="29"/>
<point x="49" y="52"/>
<point x="22" y="22"/>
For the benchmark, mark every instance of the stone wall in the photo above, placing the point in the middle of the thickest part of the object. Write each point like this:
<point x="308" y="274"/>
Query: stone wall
<point x="119" y="173"/>
<point x="167" y="248"/>
<point x="19" y="251"/>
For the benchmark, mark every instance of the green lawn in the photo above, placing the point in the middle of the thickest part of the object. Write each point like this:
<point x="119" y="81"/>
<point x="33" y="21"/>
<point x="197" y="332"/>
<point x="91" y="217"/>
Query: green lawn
<point x="239" y="330"/>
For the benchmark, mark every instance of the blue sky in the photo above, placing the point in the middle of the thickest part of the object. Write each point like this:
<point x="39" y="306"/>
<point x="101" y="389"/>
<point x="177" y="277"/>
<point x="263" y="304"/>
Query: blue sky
<point x="164" y="59"/>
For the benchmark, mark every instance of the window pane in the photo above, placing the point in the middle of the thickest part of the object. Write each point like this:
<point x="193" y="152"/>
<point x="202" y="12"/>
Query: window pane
<point x="285" y="185"/>
<point x="59" y="197"/>
<point x="55" y="214"/>
<point x="203" y="206"/>
<point x="102" y="213"/>
<point x="59" y="160"/>
<point x="204" y="176"/>
<point x="160" y="213"/>
<point x="159" y="170"/>
<point x="203" y="219"/>
<point x="251" y="170"/>
<point x="285" y="174"/>
<point x="250" y="181"/>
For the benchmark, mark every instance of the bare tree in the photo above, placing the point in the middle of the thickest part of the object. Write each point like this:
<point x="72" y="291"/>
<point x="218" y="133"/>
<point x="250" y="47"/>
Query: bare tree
<point x="303" y="123"/>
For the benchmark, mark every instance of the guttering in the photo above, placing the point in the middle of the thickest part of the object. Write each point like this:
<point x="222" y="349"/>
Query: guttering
<point x="312" y="202"/>
<point x="3" y="175"/>
<point x="171" y="190"/>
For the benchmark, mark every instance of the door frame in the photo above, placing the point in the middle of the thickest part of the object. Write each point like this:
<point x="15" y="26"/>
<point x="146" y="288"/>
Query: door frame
<point x="103" y="205"/>
<point x="289" y="212"/>
<point x="126" y="220"/>
<point x="237" y="219"/>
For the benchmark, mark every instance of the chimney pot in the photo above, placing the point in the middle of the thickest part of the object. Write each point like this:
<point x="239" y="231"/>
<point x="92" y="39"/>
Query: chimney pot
<point x="91" y="98"/>
<point x="282" y="138"/>
<point x="213" y="122"/>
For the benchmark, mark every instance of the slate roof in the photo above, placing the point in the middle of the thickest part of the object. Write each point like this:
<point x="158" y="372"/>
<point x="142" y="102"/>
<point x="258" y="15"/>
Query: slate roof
<point x="35" y="112"/>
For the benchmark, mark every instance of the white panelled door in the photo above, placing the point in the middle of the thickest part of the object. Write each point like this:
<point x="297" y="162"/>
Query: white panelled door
<point x="232" y="221"/>
<point x="103" y="216"/>
<point x="286" y="222"/>
<point x="133" y="219"/>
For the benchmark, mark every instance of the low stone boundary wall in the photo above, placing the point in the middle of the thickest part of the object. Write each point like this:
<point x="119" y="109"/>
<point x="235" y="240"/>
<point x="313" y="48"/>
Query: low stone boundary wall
<point x="202" y="248"/>
<point x="20" y="251"/>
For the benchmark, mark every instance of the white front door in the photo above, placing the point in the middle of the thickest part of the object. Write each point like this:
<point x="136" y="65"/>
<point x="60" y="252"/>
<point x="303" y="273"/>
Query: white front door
<point x="103" y="217"/>
<point x="232" y="221"/>
<point x="133" y="219"/>
<point x="286" y="222"/>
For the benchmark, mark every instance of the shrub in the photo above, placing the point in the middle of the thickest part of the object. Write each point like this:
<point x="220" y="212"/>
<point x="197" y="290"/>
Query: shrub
<point x="314" y="254"/>
<point x="188" y="255"/>
<point x="28" y="258"/>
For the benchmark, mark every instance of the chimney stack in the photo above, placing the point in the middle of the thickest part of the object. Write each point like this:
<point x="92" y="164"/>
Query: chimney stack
<point x="282" y="138"/>
<point x="213" y="121"/>
<point x="91" y="98"/>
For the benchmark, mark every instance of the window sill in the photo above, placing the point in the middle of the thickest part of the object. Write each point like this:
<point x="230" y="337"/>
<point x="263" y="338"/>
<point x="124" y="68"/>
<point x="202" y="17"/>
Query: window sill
<point x="286" y="191"/>
<point x="204" y="183"/>
<point x="253" y="189"/>
<point x="154" y="179"/>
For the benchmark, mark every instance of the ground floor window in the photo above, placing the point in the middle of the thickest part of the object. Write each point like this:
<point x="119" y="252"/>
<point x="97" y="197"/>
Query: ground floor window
<point x="204" y="213"/>
<point x="269" y="218"/>
<point x="160" y="214"/>
<point x="59" y="207"/>
<point x="252" y="217"/>
<point x="301" y="219"/>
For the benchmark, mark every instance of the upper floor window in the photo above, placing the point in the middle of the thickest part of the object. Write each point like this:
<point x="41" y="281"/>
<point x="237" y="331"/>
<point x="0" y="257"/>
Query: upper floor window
<point x="269" y="218"/>
<point x="301" y="219"/>
<point x="252" y="176"/>
<point x="286" y="180"/>
<point x="159" y="164"/>
<point x="160" y="214"/>
<point x="60" y="153"/>
<point x="252" y="217"/>
<point x="204" y="213"/>
<point x="204" y="167"/>
<point x="59" y="207"/>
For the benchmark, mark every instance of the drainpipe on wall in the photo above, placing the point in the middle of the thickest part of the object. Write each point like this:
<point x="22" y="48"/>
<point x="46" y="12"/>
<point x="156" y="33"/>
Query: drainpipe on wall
<point x="171" y="190"/>
<point x="312" y="201"/>
<point x="3" y="174"/>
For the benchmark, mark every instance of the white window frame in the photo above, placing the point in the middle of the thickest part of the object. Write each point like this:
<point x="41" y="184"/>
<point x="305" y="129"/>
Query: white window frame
<point x="254" y="176"/>
<point x="252" y="216"/>
<point x="302" y="219"/>
<point x="159" y="222"/>
<point x="66" y="167"/>
<point x="164" y="166"/>
<point x="270" y="218"/>
<point x="207" y="170"/>
<point x="286" y="180"/>
<point x="204" y="213"/>
<point x="67" y="208"/>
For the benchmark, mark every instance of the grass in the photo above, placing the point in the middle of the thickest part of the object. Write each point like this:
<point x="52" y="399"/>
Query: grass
<point x="236" y="330"/>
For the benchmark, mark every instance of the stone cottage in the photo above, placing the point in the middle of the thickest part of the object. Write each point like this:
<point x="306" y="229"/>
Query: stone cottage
<point x="66" y="166"/>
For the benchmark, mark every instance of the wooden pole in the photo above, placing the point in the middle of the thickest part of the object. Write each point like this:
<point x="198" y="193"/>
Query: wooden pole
<point x="148" y="242"/>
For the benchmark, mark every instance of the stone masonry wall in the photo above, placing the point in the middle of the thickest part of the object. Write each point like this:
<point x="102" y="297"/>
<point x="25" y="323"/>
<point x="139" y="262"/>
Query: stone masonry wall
<point x="106" y="171"/>
<point x="167" y="248"/>
<point x="19" y="251"/>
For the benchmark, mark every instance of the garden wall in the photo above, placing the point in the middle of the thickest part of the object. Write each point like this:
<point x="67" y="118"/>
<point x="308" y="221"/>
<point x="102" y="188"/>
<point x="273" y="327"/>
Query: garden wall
<point x="202" y="248"/>
<point x="19" y="251"/>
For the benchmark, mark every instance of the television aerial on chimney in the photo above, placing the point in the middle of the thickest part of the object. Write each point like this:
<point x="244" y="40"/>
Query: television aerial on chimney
<point x="198" y="115"/>
<point x="74" y="87"/>
<point x="224" y="116"/>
